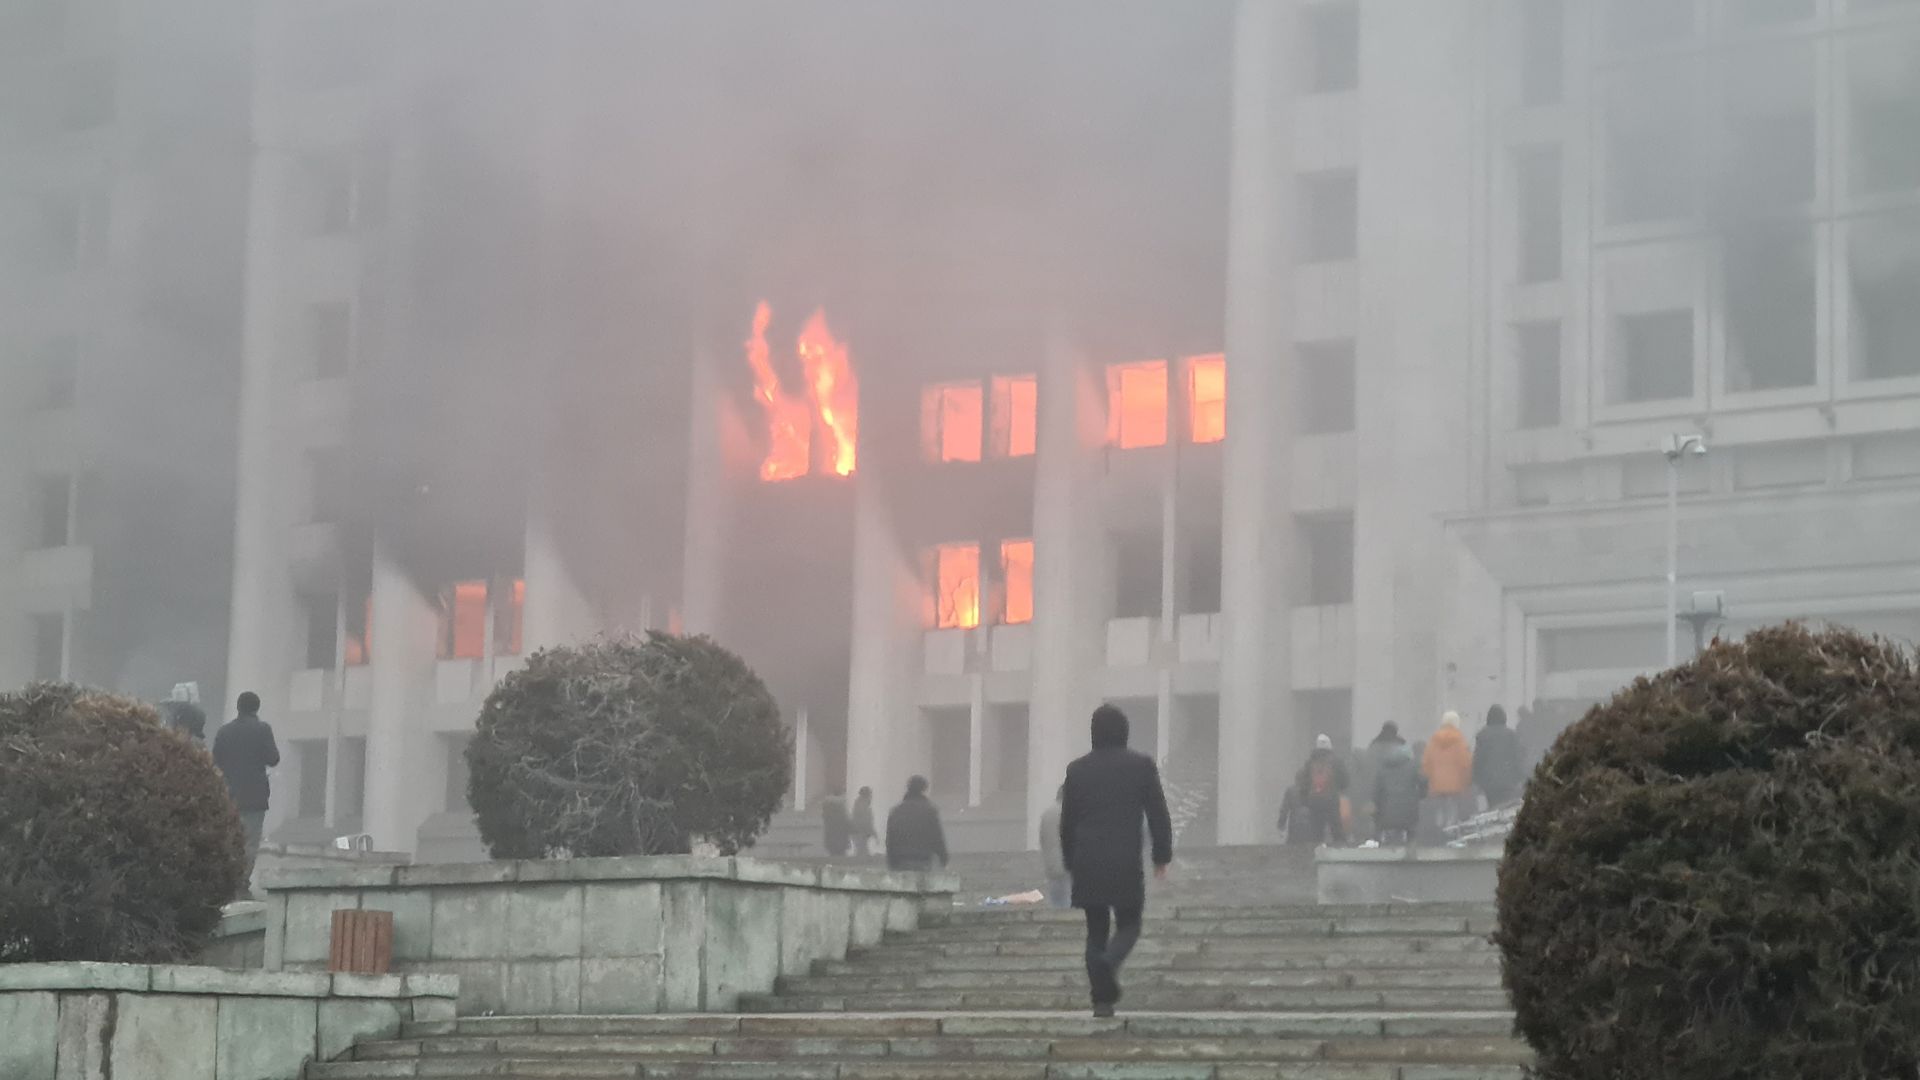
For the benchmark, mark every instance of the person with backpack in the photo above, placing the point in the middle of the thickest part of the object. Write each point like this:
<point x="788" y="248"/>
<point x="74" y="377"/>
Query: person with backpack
<point x="1322" y="783"/>
<point x="1398" y="789"/>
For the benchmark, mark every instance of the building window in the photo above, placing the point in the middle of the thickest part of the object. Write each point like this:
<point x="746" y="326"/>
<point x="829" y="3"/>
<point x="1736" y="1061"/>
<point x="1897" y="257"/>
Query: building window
<point x="951" y="417"/>
<point x="49" y="647"/>
<point x="1543" y="51"/>
<point x="1537" y="383"/>
<point x="1207" y="397"/>
<point x="312" y="756"/>
<point x="359" y="639"/>
<point x="1328" y="546"/>
<point x="1137" y="404"/>
<point x="87" y="94"/>
<point x="1326" y="400"/>
<point x="1537" y="185"/>
<point x="508" y="619"/>
<point x="1770" y="130"/>
<point x="1884" y="113"/>
<point x="330" y="325"/>
<point x="1654" y="136"/>
<point x="1884" y="264"/>
<point x="1330" y="215"/>
<point x="1655" y="356"/>
<point x="1640" y="24"/>
<point x="463" y="621"/>
<point x="329" y="475"/>
<point x="53" y="505"/>
<point x="323" y="620"/>
<point x="1016" y="573"/>
<point x="60" y="372"/>
<point x="1136" y="574"/>
<point x="1016" y="400"/>
<point x="956" y="585"/>
<point x="1771" y="320"/>
<point x="1333" y="57"/>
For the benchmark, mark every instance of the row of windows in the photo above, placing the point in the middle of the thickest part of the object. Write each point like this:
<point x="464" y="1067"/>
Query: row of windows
<point x="462" y="613"/>
<point x="955" y="594"/>
<point x="956" y="424"/>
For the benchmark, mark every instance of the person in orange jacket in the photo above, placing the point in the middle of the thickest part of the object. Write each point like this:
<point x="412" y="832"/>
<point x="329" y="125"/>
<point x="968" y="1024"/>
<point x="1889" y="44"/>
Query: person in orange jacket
<point x="1448" y="767"/>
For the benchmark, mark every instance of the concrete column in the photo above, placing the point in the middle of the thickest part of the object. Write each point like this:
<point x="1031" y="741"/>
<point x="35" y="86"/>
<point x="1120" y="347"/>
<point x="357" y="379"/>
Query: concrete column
<point x="1414" y="348"/>
<point x="1257" y="557"/>
<point x="976" y="736"/>
<point x="260" y="612"/>
<point x="557" y="611"/>
<point x="800" y="758"/>
<point x="882" y="748"/>
<point x="706" y="502"/>
<point x="399" y="744"/>
<point x="1068" y="552"/>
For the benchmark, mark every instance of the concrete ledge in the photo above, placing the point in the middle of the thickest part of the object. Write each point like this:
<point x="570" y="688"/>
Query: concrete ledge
<point x="623" y="935"/>
<point x="1407" y="875"/>
<point x="167" y="1022"/>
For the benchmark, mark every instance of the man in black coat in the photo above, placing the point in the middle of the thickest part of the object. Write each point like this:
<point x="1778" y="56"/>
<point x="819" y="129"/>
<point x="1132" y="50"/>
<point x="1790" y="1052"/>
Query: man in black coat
<point x="915" y="839"/>
<point x="245" y="750"/>
<point x="1108" y="794"/>
<point x="1497" y="770"/>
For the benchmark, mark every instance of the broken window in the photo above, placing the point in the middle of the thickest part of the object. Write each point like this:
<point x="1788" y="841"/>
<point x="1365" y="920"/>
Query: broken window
<point x="508" y="617"/>
<point x="1543" y="51"/>
<point x="1137" y="404"/>
<point x="1326" y="399"/>
<point x="1136" y="574"/>
<point x="1203" y="575"/>
<point x="323" y="618"/>
<point x="1537" y="190"/>
<point x="1884" y="258"/>
<point x="50" y="647"/>
<point x="951" y="416"/>
<point x="54" y="511"/>
<point x="330" y="325"/>
<point x="1537" y="383"/>
<point x="1333" y="53"/>
<point x="359" y="638"/>
<point x="1206" y="397"/>
<point x="463" y="621"/>
<point x="1771" y="297"/>
<point x="1770" y="129"/>
<point x="1327" y="544"/>
<point x="1884" y="72"/>
<point x="956" y="586"/>
<point x="1330" y="215"/>
<point x="1655" y="356"/>
<point x="1016" y="400"/>
<point x="1016" y="574"/>
<point x="1653" y="140"/>
<point x="1640" y="24"/>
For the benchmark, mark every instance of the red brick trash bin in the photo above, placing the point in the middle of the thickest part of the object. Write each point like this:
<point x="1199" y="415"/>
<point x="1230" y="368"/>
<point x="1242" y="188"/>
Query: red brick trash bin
<point x="362" y="942"/>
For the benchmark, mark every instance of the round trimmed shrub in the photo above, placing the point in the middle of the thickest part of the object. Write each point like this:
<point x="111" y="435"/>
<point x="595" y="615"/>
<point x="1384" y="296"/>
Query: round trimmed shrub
<point x="630" y="746"/>
<point x="1717" y="873"/>
<point x="118" y="841"/>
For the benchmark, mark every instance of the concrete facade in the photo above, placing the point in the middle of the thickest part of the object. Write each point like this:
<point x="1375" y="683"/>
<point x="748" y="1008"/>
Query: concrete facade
<point x="96" y="1021"/>
<point x="603" y="936"/>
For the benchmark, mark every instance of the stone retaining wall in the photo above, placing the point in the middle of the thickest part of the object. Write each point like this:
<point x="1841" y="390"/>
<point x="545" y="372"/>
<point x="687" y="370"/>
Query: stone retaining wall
<point x="240" y="941"/>
<point x="160" y="1022"/>
<point x="603" y="936"/>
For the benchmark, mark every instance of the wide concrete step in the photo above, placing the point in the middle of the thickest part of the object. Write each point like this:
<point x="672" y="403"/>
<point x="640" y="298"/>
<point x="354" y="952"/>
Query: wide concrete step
<point x="891" y="962"/>
<point x="1257" y="927"/>
<point x="1068" y="977"/>
<point x="1155" y="943"/>
<point x="1053" y="1047"/>
<point x="1138" y="996"/>
<point x="1219" y="913"/>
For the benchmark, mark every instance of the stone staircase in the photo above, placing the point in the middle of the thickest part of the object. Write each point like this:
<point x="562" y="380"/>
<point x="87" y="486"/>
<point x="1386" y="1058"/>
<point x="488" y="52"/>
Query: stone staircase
<point x="1278" y="992"/>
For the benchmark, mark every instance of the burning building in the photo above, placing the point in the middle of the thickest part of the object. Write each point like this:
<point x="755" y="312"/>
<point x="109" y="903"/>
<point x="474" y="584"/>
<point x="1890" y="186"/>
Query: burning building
<point x="1271" y="369"/>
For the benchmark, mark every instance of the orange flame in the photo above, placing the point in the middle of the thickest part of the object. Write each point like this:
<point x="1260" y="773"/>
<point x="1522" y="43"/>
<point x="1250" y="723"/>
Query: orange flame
<point x="831" y="386"/>
<point x="836" y="393"/>
<point x="788" y="425"/>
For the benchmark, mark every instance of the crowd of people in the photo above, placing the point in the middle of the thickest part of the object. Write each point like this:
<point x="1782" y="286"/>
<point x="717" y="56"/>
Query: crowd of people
<point x="1391" y="793"/>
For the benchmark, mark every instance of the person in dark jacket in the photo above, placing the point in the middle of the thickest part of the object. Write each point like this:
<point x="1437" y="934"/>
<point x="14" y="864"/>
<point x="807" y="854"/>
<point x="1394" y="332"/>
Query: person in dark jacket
<point x="244" y="749"/>
<point x="1108" y="794"/>
<point x="1321" y="783"/>
<point x="862" y="823"/>
<point x="915" y="840"/>
<point x="1398" y="788"/>
<point x="835" y="826"/>
<point x="1496" y="760"/>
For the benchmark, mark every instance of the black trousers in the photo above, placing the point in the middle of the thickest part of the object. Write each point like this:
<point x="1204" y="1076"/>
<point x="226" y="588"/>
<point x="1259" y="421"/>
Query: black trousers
<point x="1324" y="820"/>
<point x="1108" y="946"/>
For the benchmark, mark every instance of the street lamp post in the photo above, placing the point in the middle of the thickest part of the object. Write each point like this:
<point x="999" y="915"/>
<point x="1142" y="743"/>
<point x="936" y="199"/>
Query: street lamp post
<point x="1678" y="446"/>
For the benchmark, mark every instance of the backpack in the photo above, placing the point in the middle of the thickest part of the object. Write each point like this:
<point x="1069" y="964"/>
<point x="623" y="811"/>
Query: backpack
<point x="1320" y="777"/>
